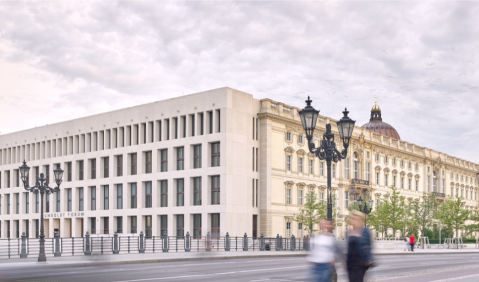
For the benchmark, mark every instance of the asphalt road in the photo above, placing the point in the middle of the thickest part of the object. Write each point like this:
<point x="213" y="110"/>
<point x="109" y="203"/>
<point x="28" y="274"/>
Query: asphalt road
<point x="394" y="268"/>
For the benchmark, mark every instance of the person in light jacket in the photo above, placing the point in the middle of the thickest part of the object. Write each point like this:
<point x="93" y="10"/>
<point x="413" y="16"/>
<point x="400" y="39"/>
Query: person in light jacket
<point x="324" y="252"/>
<point x="359" y="257"/>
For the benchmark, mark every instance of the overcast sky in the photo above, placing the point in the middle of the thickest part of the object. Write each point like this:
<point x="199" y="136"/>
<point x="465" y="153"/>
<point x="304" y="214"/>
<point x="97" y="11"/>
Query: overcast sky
<point x="63" y="60"/>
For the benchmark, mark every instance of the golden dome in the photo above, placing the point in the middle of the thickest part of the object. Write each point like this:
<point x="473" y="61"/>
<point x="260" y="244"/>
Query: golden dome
<point x="377" y="125"/>
<point x="376" y="108"/>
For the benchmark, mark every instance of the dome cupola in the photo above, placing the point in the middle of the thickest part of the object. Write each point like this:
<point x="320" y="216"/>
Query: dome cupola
<point x="377" y="125"/>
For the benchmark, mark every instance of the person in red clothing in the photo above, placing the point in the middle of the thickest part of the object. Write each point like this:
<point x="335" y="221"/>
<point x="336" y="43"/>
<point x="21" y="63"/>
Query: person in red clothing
<point x="412" y="241"/>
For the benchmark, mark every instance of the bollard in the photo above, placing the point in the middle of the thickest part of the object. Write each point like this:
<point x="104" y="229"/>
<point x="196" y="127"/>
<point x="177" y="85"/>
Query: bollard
<point x="306" y="243"/>
<point x="23" y="254"/>
<point x="187" y="242"/>
<point x="245" y="242"/>
<point x="57" y="252"/>
<point x="261" y="243"/>
<point x="277" y="242"/>
<point x="87" y="244"/>
<point x="164" y="242"/>
<point x="208" y="242"/>
<point x="227" y="242"/>
<point x="115" y="244"/>
<point x="142" y="248"/>
<point x="293" y="243"/>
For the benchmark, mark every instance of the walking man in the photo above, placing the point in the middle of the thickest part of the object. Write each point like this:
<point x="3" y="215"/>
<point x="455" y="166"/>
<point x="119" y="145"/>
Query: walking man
<point x="412" y="241"/>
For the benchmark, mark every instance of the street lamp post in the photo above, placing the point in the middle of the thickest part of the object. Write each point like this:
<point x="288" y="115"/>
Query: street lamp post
<point x="327" y="149"/>
<point x="41" y="186"/>
<point x="366" y="208"/>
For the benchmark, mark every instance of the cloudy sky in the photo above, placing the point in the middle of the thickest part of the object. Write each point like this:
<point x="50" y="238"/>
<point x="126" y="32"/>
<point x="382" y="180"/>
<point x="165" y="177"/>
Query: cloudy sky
<point x="61" y="60"/>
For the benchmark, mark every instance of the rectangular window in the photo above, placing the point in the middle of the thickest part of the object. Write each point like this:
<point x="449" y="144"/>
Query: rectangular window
<point x="215" y="190"/>
<point x="410" y="184"/>
<point x="288" y="136"/>
<point x="197" y="156"/>
<point x="257" y="186"/>
<point x="58" y="201"/>
<point x="69" y="199"/>
<point x="37" y="203"/>
<point x="300" y="197"/>
<point x="180" y="158"/>
<point x="167" y="121"/>
<point x="27" y="202"/>
<point x="106" y="167"/>
<point x="148" y="162"/>
<point x="197" y="226"/>
<point x="106" y="197"/>
<point x="119" y="196"/>
<point x="334" y="170"/>
<point x="288" y="196"/>
<point x="175" y="124"/>
<point x="386" y="179"/>
<point x="402" y="182"/>
<point x="69" y="171"/>
<point x="133" y="164"/>
<point x="377" y="178"/>
<point x="7" y="174"/>
<point x="119" y="224"/>
<point x="300" y="165"/>
<point x="193" y="125"/>
<point x="159" y="130"/>
<point x="288" y="163"/>
<point x="197" y="191"/>
<point x="93" y="225"/>
<point x="183" y="120"/>
<point x="8" y="203"/>
<point x="80" y="199"/>
<point x="148" y="195"/>
<point x="80" y="170"/>
<point x="133" y="225"/>
<point x="394" y="181"/>
<point x="164" y="193"/>
<point x="180" y="192"/>
<point x="386" y="159"/>
<point x="252" y="193"/>
<point x="368" y="171"/>
<point x="93" y="168"/>
<point x="215" y="224"/>
<point x="164" y="225"/>
<point x="119" y="165"/>
<point x="210" y="117"/>
<point x="377" y="157"/>
<point x="133" y="197"/>
<point x="428" y="183"/>
<point x="201" y="125"/>
<point x="346" y="199"/>
<point x="180" y="225"/>
<point x="417" y="186"/>
<point x="311" y="168"/>
<point x="300" y="139"/>
<point x="215" y="154"/>
<point x="164" y="160"/>
<point x="321" y="168"/>
<point x="47" y="204"/>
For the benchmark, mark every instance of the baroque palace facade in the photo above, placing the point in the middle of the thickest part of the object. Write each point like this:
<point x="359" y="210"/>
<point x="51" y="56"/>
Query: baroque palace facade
<point x="216" y="161"/>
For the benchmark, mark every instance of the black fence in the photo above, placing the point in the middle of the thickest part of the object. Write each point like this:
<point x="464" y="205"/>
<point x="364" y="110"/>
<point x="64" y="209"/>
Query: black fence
<point x="118" y="244"/>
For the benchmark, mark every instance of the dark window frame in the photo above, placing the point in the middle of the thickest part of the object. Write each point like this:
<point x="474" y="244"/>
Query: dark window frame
<point x="148" y="194"/>
<point x="215" y="190"/>
<point x="163" y="193"/>
<point x="133" y="195"/>
<point x="215" y="154"/>
<point x="180" y="192"/>
<point x="197" y="191"/>
<point x="197" y="156"/>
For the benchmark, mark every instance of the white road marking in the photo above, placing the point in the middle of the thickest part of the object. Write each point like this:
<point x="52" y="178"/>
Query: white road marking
<point x="210" y="274"/>
<point x="456" y="278"/>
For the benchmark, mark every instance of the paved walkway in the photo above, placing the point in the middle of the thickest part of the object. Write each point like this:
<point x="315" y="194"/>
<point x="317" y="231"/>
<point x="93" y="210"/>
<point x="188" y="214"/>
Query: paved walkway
<point x="82" y="260"/>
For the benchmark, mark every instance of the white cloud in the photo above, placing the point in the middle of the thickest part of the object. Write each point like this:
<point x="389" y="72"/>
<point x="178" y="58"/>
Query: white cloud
<point x="62" y="60"/>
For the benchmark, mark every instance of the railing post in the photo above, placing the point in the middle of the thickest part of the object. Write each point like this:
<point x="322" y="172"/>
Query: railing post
<point x="245" y="242"/>
<point x="115" y="244"/>
<point x="187" y="242"/>
<point x="87" y="244"/>
<point x="261" y="242"/>
<point x="57" y="252"/>
<point x="293" y="243"/>
<point x="164" y="242"/>
<point x="208" y="242"/>
<point x="277" y="242"/>
<point x="141" y="245"/>
<point x="227" y="242"/>
<point x="23" y="254"/>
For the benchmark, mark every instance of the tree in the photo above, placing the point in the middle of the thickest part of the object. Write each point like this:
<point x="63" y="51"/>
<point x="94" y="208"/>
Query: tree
<point x="423" y="213"/>
<point x="323" y="211"/>
<point x="474" y="226"/>
<point x="310" y="213"/>
<point x="379" y="218"/>
<point x="452" y="214"/>
<point x="396" y="209"/>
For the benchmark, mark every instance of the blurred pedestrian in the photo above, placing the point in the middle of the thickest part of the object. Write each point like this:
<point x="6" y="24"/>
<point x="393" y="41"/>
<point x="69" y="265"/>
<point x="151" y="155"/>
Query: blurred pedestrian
<point x="359" y="257"/>
<point x="406" y="243"/>
<point x="412" y="241"/>
<point x="324" y="252"/>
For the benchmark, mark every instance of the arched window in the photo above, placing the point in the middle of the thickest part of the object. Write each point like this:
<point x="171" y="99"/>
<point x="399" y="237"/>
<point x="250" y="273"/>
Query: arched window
<point x="356" y="166"/>
<point x="434" y="181"/>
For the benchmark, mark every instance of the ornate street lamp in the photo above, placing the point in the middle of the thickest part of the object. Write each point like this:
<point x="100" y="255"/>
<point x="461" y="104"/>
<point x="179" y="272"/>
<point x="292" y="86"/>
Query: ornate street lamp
<point x="327" y="149"/>
<point x="366" y="209"/>
<point x="41" y="186"/>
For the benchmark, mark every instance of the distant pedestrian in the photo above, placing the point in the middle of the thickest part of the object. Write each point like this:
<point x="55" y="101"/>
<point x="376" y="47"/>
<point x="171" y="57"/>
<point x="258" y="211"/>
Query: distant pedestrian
<point x="412" y="241"/>
<point x="323" y="253"/>
<point x="406" y="243"/>
<point x="359" y="257"/>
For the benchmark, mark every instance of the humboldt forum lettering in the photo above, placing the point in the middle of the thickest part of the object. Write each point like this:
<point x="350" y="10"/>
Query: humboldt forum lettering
<point x="216" y="161"/>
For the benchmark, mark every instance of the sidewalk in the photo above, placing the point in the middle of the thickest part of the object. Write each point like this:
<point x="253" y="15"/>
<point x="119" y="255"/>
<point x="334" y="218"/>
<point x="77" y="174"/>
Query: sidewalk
<point x="96" y="260"/>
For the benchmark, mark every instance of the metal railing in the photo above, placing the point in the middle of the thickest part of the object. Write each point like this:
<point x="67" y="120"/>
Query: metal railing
<point x="117" y="244"/>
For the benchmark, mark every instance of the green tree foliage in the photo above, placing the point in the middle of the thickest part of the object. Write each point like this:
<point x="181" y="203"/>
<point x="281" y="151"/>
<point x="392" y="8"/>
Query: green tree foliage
<point x="396" y="209"/>
<point x="452" y="214"/>
<point x="423" y="213"/>
<point x="310" y="213"/>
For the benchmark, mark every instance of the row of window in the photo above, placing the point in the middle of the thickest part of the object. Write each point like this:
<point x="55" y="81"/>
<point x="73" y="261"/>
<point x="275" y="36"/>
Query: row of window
<point x="119" y="196"/>
<point x="136" y="134"/>
<point x="118" y="164"/>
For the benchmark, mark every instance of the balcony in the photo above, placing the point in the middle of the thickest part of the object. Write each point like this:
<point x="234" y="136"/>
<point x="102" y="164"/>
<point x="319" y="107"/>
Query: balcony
<point x="359" y="182"/>
<point x="438" y="195"/>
